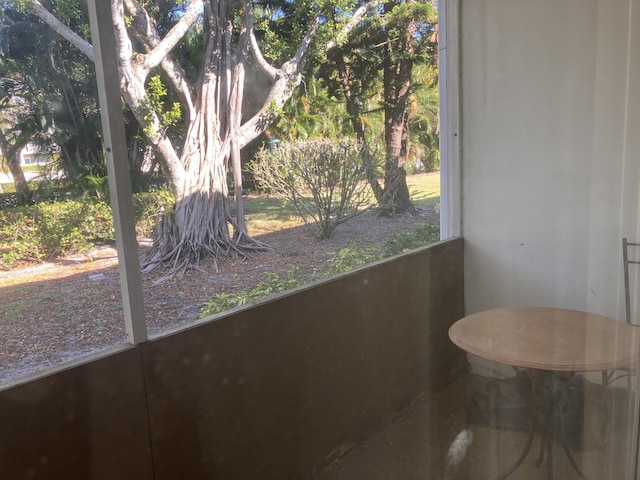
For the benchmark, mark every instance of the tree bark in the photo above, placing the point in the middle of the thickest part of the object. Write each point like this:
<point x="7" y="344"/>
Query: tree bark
<point x="11" y="153"/>
<point x="353" y="110"/>
<point x="397" y="68"/>
<point x="235" y="120"/>
<point x="22" y="186"/>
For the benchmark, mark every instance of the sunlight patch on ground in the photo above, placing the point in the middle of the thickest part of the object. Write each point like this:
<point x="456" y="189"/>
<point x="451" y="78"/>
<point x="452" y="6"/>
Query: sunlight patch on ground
<point x="424" y="188"/>
<point x="99" y="258"/>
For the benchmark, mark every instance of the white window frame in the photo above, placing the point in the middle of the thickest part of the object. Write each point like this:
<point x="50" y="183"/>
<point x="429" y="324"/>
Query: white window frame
<point x="119" y="183"/>
<point x="449" y="85"/>
<point x="107" y="76"/>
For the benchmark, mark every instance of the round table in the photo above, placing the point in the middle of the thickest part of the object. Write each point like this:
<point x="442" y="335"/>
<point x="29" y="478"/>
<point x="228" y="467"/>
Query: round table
<point x="547" y="341"/>
<point x="547" y="338"/>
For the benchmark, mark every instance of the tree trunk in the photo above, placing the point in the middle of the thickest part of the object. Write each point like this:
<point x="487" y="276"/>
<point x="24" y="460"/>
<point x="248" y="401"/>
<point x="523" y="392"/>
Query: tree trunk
<point x="22" y="186"/>
<point x="198" y="227"/>
<point x="354" y="115"/>
<point x="398" y="65"/>
<point x="12" y="159"/>
<point x="235" y="121"/>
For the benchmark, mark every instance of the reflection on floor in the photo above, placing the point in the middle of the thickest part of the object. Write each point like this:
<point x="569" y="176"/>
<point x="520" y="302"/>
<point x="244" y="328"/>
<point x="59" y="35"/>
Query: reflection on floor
<point x="433" y="440"/>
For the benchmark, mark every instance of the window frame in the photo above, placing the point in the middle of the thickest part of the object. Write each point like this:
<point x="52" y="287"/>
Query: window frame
<point x="449" y="86"/>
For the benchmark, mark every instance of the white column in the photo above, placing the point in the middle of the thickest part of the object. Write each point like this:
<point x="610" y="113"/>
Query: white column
<point x="106" y="62"/>
<point x="449" y="72"/>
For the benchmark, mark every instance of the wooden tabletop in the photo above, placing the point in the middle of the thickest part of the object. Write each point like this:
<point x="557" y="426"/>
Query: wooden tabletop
<point x="548" y="339"/>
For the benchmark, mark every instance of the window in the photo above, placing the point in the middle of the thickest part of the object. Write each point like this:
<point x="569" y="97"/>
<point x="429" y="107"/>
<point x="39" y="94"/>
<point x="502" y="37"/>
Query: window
<point x="155" y="302"/>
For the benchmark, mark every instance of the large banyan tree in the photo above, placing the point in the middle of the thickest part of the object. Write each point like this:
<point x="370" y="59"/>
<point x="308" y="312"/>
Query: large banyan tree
<point x="203" y="222"/>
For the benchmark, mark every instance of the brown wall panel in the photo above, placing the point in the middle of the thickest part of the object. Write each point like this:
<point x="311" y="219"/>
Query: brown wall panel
<point x="88" y="422"/>
<point x="270" y="392"/>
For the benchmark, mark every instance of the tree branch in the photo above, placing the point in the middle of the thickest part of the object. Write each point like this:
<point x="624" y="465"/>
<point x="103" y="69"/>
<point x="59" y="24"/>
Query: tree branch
<point x="60" y="28"/>
<point x="171" y="39"/>
<point x="286" y="80"/>
<point x="132" y="78"/>
<point x="144" y="31"/>
<point x="304" y="45"/>
<point x="265" y="66"/>
<point x="348" y="27"/>
<point x="124" y="49"/>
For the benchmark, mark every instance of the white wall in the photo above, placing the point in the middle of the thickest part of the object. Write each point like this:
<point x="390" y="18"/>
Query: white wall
<point x="550" y="149"/>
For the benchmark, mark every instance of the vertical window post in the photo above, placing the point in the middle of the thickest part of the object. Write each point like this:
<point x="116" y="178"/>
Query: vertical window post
<point x="449" y="74"/>
<point x="106" y="62"/>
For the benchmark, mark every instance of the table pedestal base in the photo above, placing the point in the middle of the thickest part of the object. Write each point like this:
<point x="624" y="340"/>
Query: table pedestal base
<point x="549" y="397"/>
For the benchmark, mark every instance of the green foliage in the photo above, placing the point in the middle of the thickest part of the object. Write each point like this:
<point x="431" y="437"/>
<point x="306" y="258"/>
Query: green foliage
<point x="49" y="92"/>
<point x="322" y="179"/>
<point x="312" y="113"/>
<point x="356" y="256"/>
<point x="8" y="188"/>
<point x="91" y="184"/>
<point x="43" y="231"/>
<point x="74" y="14"/>
<point x="155" y="104"/>
<point x="53" y="190"/>
<point x="32" y="168"/>
<point x="274" y="110"/>
<point x="424" y="121"/>
<point x="272" y="283"/>
<point x="46" y="191"/>
<point x="46" y="230"/>
<point x="422" y="234"/>
<point x="148" y="206"/>
<point x="281" y="25"/>
<point x="342" y="261"/>
<point x="397" y="19"/>
<point x="402" y="36"/>
<point x="349" y="258"/>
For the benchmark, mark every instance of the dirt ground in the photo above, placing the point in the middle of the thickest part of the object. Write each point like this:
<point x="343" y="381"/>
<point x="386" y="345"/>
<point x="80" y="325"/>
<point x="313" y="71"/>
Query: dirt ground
<point x="65" y="309"/>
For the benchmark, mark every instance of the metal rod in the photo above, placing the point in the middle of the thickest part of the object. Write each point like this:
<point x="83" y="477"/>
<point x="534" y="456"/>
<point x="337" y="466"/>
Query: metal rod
<point x="625" y="262"/>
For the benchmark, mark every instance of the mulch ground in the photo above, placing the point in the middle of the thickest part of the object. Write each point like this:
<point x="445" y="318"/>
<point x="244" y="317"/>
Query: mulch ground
<point x="62" y="310"/>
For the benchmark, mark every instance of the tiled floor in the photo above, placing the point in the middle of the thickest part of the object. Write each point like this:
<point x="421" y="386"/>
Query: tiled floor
<point x="434" y="441"/>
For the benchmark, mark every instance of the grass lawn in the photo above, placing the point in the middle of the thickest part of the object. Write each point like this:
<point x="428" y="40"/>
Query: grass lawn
<point x="424" y="188"/>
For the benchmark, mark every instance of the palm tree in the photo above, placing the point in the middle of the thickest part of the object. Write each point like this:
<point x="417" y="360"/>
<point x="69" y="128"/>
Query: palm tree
<point x="424" y="117"/>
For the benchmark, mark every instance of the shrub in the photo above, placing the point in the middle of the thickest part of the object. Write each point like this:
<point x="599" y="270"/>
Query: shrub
<point x="355" y="256"/>
<point x="323" y="179"/>
<point x="272" y="283"/>
<point x="422" y="234"/>
<point x="48" y="191"/>
<point x="46" y="230"/>
<point x="348" y="258"/>
<point x="148" y="207"/>
<point x="43" y="231"/>
<point x="8" y="188"/>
